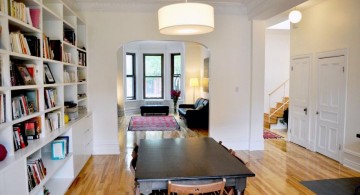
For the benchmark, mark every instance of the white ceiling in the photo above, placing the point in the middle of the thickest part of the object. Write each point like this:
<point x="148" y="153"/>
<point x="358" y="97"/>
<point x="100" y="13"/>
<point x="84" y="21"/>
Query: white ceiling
<point x="255" y="9"/>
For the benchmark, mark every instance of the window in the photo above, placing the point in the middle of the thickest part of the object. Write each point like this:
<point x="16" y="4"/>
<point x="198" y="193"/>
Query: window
<point x="130" y="76"/>
<point x="176" y="71"/>
<point x="153" y="76"/>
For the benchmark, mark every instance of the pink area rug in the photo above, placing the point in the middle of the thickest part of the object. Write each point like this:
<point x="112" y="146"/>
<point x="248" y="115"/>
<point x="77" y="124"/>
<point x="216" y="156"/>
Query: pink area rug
<point x="153" y="123"/>
<point x="270" y="135"/>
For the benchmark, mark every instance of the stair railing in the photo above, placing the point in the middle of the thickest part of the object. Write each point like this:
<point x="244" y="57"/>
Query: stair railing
<point x="283" y="89"/>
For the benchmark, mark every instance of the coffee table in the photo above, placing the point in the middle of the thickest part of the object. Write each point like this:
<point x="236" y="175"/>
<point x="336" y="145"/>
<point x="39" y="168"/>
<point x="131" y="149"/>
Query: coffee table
<point x="154" y="109"/>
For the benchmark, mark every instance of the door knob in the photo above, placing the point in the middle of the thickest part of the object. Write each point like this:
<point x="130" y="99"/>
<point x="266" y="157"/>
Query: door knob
<point x="305" y="110"/>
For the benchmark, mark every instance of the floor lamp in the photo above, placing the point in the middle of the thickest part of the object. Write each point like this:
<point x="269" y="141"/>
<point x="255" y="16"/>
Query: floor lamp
<point x="194" y="82"/>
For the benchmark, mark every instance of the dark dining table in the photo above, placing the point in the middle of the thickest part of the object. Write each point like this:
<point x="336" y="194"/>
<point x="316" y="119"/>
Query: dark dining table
<point x="187" y="161"/>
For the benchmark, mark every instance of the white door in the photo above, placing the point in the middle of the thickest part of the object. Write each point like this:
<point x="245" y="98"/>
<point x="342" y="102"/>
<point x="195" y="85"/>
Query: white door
<point x="299" y="101"/>
<point x="330" y="103"/>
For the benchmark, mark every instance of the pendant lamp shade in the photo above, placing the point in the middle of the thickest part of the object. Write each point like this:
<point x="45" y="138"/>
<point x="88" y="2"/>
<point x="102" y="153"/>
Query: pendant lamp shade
<point x="186" y="19"/>
<point x="295" y="16"/>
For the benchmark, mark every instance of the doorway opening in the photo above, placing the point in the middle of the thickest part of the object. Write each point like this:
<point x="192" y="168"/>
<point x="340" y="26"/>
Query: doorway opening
<point x="148" y="71"/>
<point x="276" y="86"/>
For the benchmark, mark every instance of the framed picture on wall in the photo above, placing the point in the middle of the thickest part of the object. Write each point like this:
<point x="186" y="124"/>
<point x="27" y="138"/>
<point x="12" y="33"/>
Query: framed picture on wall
<point x="49" y="78"/>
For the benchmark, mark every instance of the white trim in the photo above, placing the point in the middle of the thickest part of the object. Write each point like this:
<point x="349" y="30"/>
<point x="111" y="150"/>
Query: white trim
<point x="352" y="165"/>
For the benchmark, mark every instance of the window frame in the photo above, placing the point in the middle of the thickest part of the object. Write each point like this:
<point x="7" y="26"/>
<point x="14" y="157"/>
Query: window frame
<point x="132" y="76"/>
<point x="172" y="64"/>
<point x="162" y="75"/>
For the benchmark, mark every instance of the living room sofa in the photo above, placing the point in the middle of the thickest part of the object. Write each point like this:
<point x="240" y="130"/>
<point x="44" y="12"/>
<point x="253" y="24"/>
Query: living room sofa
<point x="195" y="115"/>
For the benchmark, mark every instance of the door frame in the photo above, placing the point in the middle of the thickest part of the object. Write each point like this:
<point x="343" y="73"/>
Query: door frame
<point x="310" y="57"/>
<point x="327" y="54"/>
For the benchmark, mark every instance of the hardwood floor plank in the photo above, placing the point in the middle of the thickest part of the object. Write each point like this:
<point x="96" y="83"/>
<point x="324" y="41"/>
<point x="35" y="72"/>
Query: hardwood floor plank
<point x="279" y="168"/>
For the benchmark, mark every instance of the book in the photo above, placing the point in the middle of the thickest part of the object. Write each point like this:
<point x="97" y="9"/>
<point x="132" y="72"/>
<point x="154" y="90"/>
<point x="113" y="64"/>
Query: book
<point x="25" y="75"/>
<point x="35" y="17"/>
<point x="56" y="49"/>
<point x="66" y="142"/>
<point x="34" y="45"/>
<point x="33" y="128"/>
<point x="58" y="149"/>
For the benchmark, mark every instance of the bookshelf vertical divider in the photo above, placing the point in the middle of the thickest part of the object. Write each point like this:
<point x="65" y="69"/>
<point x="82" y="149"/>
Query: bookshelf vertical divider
<point x="43" y="96"/>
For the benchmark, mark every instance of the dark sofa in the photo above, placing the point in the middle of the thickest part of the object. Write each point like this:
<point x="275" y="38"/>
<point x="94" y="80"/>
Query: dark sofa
<point x="195" y="115"/>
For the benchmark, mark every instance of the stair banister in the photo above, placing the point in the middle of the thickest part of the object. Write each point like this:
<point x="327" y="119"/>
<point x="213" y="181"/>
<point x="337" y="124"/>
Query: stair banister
<point x="283" y="87"/>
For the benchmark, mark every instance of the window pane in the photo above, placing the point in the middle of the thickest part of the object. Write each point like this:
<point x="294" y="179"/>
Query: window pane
<point x="129" y="64"/>
<point x="176" y="83"/>
<point x="129" y="87"/>
<point x="153" y="65"/>
<point x="153" y="87"/>
<point x="177" y="64"/>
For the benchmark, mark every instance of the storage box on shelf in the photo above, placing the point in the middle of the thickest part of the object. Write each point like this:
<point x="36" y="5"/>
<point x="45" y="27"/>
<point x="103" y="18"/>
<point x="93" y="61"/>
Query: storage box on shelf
<point x="42" y="65"/>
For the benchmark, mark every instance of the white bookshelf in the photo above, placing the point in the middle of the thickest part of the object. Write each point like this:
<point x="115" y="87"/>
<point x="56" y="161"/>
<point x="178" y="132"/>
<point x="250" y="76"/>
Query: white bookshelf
<point x="54" y="18"/>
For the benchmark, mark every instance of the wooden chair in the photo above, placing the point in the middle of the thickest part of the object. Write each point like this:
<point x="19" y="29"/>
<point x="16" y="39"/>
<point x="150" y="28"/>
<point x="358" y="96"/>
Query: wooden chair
<point x="215" y="188"/>
<point x="232" y="152"/>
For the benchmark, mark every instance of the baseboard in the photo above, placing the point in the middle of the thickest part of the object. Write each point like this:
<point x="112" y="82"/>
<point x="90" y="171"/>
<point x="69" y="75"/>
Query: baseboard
<point x="106" y="149"/>
<point x="257" y="145"/>
<point x="351" y="161"/>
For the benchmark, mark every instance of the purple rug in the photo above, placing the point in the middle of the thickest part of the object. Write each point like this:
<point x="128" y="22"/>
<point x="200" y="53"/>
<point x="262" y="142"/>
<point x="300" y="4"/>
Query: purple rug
<point x="153" y="123"/>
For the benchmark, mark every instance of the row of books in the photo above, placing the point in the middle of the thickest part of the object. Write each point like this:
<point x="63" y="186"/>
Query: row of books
<point x="82" y="58"/>
<point x="50" y="98"/>
<point x="67" y="57"/>
<point x="60" y="148"/>
<point x="69" y="76"/>
<point x="53" y="120"/>
<point x="25" y="44"/>
<point x="52" y="48"/>
<point x="36" y="172"/>
<point x="24" y="104"/>
<point x="2" y="108"/>
<point x="26" y="131"/>
<point x="22" y="73"/>
<point x="20" y="139"/>
<point x="28" y="15"/>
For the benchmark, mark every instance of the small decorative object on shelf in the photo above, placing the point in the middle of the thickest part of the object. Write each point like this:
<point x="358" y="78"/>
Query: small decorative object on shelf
<point x="175" y="94"/>
<point x="3" y="152"/>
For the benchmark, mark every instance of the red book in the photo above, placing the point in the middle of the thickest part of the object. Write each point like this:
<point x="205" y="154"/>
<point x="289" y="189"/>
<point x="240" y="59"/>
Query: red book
<point x="35" y="17"/>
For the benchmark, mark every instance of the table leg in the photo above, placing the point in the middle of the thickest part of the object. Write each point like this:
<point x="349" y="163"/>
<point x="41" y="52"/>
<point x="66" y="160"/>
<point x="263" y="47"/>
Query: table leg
<point x="145" y="188"/>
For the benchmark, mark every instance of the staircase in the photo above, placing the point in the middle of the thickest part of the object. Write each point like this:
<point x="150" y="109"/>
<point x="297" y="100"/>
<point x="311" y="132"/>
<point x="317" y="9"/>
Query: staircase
<point x="276" y="113"/>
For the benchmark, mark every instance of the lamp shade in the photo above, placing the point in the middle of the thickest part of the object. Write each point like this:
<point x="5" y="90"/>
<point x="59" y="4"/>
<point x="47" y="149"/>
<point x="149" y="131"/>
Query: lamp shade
<point x="295" y="16"/>
<point x="194" y="82"/>
<point x="186" y="19"/>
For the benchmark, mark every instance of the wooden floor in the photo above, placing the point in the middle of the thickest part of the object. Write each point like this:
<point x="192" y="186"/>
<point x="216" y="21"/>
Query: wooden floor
<point x="279" y="168"/>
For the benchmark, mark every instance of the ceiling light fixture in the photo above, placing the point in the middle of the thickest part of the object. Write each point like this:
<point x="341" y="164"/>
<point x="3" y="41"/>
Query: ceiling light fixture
<point x="186" y="19"/>
<point x="295" y="16"/>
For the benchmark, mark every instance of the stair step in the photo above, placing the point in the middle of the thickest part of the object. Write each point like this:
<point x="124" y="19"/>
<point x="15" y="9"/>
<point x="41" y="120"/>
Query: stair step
<point x="278" y="113"/>
<point x="273" y="119"/>
<point x="266" y="125"/>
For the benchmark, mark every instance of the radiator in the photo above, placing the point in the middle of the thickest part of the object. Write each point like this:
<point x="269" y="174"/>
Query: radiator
<point x="154" y="102"/>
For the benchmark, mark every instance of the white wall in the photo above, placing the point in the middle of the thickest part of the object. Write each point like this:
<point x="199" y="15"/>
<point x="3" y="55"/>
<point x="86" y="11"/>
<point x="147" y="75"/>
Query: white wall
<point x="277" y="63"/>
<point x="329" y="26"/>
<point x="194" y="61"/>
<point x="230" y="46"/>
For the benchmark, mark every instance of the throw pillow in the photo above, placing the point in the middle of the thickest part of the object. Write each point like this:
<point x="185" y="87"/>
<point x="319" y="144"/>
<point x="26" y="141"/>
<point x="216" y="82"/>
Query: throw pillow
<point x="199" y="107"/>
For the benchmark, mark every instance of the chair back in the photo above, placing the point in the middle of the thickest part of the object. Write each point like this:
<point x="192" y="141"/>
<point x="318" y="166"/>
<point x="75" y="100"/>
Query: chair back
<point x="216" y="188"/>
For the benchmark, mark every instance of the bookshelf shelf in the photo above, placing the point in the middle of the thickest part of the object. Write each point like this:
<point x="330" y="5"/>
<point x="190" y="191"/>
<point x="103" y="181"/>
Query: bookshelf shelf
<point x="22" y="26"/>
<point x="49" y="14"/>
<point x="39" y="106"/>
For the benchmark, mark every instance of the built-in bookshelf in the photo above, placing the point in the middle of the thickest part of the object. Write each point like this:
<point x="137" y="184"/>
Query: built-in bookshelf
<point x="45" y="124"/>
